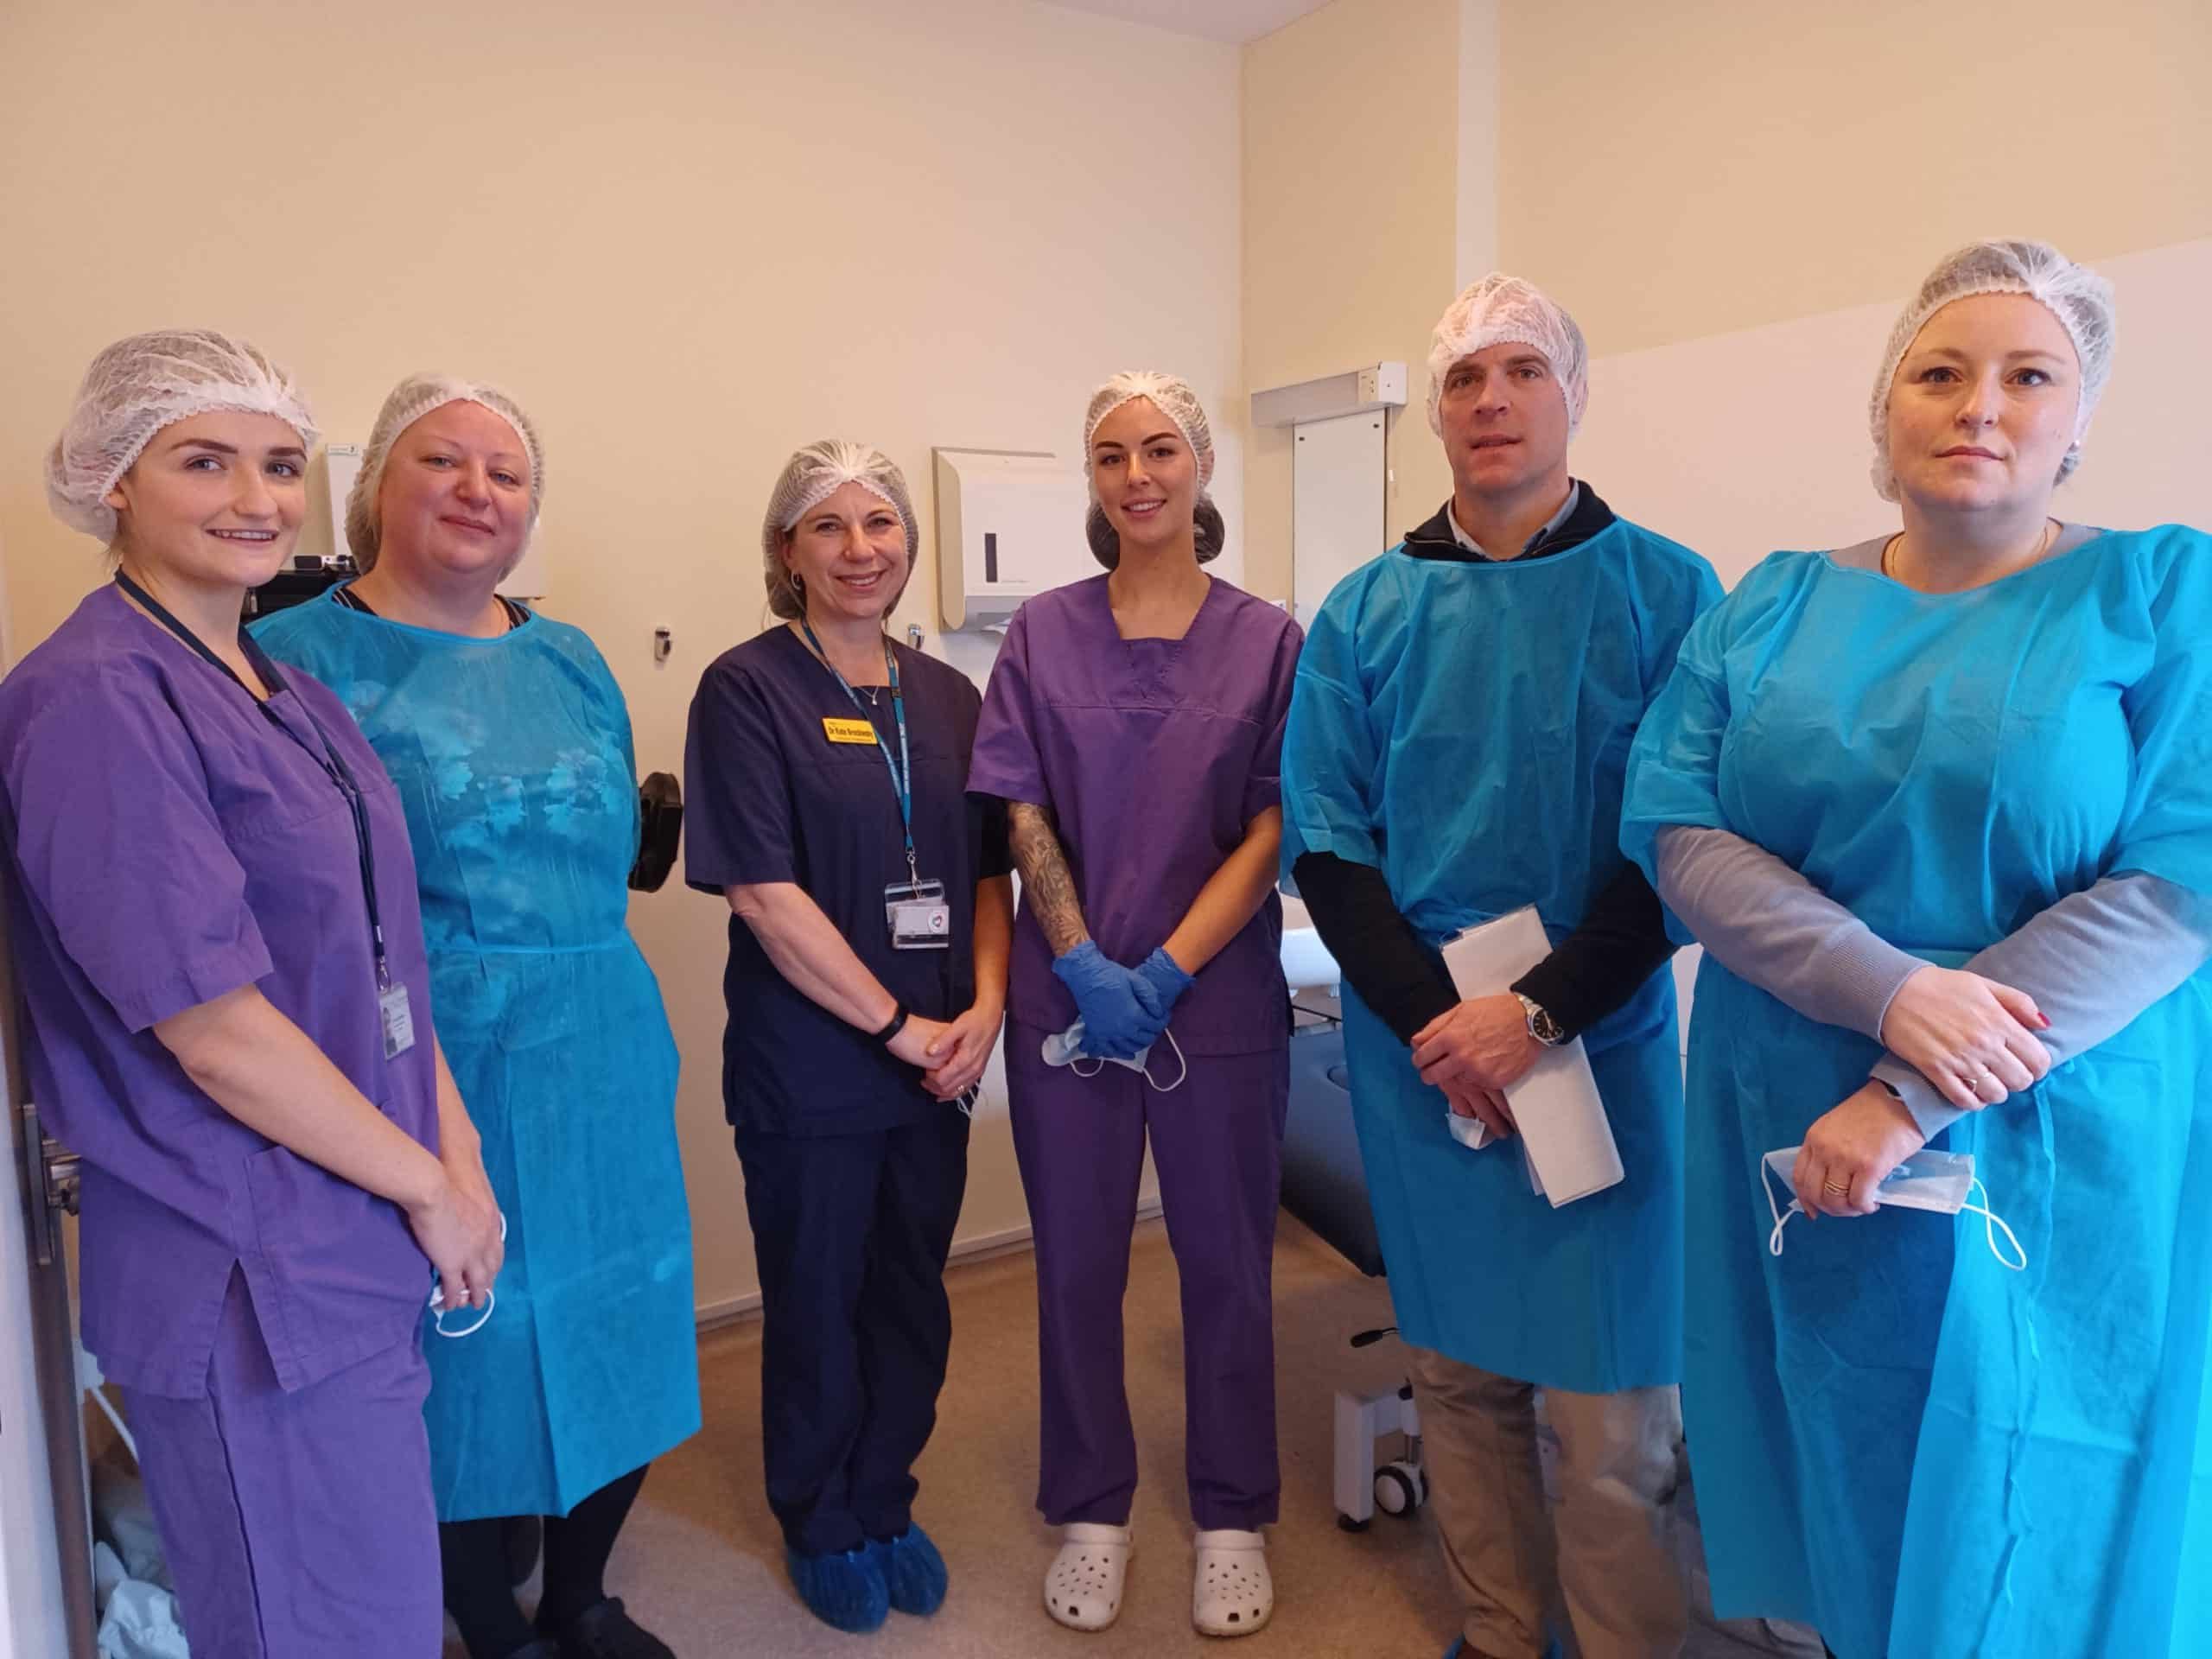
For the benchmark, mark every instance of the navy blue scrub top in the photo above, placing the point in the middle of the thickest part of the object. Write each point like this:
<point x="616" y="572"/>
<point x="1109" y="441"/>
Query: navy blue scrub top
<point x="769" y="797"/>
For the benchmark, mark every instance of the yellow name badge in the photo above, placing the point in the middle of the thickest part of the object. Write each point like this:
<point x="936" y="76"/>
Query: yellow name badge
<point x="847" y="731"/>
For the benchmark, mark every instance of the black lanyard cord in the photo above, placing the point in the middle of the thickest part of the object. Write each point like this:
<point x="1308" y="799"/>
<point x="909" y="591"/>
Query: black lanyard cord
<point x="331" y="763"/>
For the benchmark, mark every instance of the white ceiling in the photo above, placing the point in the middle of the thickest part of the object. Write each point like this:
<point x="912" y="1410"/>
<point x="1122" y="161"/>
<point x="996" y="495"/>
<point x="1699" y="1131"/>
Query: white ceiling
<point x="1234" y="21"/>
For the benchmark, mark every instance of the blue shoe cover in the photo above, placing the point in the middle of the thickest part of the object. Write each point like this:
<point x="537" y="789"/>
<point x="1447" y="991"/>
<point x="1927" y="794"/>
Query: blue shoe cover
<point x="843" y="1589"/>
<point x="913" y="1570"/>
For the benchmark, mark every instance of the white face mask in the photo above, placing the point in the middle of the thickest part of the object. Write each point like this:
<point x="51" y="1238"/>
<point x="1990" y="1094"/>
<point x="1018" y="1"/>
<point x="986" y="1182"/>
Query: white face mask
<point x="437" y="1291"/>
<point x="1942" y="1181"/>
<point x="1065" y="1048"/>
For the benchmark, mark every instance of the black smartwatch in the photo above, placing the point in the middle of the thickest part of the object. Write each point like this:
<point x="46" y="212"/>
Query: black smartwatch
<point x="897" y="1024"/>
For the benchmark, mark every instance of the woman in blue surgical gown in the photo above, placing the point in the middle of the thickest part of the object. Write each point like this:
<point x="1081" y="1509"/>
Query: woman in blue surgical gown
<point x="1940" y="808"/>
<point x="510" y="746"/>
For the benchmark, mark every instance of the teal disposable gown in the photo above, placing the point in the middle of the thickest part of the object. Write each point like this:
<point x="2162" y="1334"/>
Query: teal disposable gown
<point x="512" y="758"/>
<point x="1895" y="1437"/>
<point x="1463" y="728"/>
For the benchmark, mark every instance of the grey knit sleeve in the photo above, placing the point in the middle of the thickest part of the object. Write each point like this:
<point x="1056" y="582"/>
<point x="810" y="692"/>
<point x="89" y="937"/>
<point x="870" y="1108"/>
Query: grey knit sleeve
<point x="1765" y="923"/>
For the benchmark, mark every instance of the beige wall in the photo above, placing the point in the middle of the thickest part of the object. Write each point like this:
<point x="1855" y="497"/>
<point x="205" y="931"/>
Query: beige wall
<point x="689" y="235"/>
<point x="1351" y="142"/>
<point x="1672" y="171"/>
<point x="1680" y="173"/>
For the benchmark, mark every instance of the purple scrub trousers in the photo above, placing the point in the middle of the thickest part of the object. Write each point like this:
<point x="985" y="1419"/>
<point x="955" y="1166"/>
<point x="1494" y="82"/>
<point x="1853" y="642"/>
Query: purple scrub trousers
<point x="1216" y="1142"/>
<point x="1154" y="756"/>
<point x="299" y="1525"/>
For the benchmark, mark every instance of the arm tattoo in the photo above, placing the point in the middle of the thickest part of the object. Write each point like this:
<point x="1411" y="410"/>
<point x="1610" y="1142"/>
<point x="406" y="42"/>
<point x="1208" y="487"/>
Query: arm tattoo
<point x="1046" y="883"/>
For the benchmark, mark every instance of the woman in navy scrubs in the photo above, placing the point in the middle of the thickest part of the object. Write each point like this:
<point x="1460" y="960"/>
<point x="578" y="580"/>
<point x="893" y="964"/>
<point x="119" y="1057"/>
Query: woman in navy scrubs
<point x="825" y="785"/>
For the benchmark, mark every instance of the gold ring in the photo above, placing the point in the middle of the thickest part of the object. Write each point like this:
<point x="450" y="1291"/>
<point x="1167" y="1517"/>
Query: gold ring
<point x="1835" y="1186"/>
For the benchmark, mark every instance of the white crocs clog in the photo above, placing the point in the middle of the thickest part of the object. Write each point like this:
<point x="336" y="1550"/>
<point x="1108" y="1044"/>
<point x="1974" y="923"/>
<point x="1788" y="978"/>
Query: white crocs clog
<point x="1083" y="1587"/>
<point x="1231" y="1592"/>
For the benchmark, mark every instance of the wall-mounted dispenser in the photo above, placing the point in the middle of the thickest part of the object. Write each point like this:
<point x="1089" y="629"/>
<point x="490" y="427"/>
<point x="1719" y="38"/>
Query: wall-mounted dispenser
<point x="1009" y="523"/>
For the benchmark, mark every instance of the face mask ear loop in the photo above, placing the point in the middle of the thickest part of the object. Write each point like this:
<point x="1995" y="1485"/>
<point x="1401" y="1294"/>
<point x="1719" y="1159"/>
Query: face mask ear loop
<point x="1781" y="1217"/>
<point x="1994" y="1226"/>
<point x="966" y="1099"/>
<point x="1076" y="1066"/>
<point x="1170" y="1088"/>
<point x="438" y="1318"/>
<point x="491" y="1301"/>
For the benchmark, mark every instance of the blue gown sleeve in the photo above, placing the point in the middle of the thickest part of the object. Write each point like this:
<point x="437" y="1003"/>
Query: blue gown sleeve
<point x="1670" y="623"/>
<point x="2168" y="828"/>
<point x="1331" y="851"/>
<point x="1329" y="759"/>
<point x="616" y="712"/>
<point x="1674" y="766"/>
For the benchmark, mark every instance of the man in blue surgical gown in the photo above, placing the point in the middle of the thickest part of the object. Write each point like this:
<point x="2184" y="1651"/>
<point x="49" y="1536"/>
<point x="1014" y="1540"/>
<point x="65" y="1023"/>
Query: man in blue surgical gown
<point x="1455" y="752"/>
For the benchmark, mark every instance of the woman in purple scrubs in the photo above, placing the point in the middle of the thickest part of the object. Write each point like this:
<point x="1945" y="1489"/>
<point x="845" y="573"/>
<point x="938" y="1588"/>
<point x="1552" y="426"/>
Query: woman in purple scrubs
<point x="214" y="918"/>
<point x="1134" y="724"/>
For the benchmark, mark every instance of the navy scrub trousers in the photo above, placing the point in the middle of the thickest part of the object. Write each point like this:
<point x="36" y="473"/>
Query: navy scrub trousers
<point x="851" y="1232"/>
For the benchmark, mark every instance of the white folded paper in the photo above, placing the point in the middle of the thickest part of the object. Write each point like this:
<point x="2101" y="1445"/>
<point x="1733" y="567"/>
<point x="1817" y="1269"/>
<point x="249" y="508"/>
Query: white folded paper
<point x="1565" y="1133"/>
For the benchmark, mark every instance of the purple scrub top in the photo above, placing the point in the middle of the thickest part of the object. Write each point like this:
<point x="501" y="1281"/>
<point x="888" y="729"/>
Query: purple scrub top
<point x="1153" y="757"/>
<point x="167" y="846"/>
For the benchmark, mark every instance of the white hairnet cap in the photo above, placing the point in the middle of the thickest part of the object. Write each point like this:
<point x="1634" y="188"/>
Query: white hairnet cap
<point x="410" y="400"/>
<point x="811" y="477"/>
<point x="1170" y="396"/>
<point x="142" y="384"/>
<point x="1501" y="309"/>
<point x="2077" y="296"/>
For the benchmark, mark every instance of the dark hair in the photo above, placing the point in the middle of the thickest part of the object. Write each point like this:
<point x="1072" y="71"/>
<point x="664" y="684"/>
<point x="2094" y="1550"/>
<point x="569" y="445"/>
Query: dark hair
<point x="1211" y="533"/>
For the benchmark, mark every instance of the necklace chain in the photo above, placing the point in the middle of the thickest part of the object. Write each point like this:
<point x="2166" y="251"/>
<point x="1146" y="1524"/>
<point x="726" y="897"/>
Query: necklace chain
<point x="1888" y="564"/>
<point x="873" y="691"/>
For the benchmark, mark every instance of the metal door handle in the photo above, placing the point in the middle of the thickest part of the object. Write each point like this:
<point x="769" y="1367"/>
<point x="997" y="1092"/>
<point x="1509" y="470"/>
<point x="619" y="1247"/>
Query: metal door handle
<point x="56" y="1174"/>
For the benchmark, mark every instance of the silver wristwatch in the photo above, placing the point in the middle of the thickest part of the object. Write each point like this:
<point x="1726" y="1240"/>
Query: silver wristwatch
<point x="1541" y="1026"/>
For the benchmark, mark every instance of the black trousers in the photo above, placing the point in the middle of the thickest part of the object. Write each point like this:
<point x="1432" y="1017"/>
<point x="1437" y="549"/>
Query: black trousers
<point x="851" y="1233"/>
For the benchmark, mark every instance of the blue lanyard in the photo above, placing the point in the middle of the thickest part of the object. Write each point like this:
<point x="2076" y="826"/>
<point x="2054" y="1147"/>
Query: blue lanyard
<point x="902" y="769"/>
<point x="329" y="760"/>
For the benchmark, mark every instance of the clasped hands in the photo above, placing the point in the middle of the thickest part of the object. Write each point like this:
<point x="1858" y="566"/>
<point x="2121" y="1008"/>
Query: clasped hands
<point x="952" y="1054"/>
<point x="1973" y="1040"/>
<point x="1474" y="1050"/>
<point x="1123" y="1009"/>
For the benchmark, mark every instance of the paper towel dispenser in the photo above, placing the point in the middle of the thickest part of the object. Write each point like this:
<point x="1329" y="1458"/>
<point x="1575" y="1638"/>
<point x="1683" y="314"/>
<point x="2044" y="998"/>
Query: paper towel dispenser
<point x="1009" y="523"/>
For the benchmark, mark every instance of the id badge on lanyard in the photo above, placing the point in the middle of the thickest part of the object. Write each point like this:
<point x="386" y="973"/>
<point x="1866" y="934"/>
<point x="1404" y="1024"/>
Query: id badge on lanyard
<point x="398" y="1020"/>
<point x="394" y="1016"/>
<point x="918" y="918"/>
<point x="915" y="912"/>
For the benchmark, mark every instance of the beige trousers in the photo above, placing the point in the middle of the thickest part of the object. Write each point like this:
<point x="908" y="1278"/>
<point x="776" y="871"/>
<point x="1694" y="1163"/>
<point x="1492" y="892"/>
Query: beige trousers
<point x="1605" y="1555"/>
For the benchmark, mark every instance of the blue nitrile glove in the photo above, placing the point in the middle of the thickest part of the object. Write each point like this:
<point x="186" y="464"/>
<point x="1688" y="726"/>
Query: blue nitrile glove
<point x="1158" y="983"/>
<point x="1115" y="1025"/>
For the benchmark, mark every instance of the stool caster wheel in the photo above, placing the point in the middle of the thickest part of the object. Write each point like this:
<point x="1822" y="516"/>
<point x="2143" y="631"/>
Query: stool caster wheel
<point x="1345" y="1523"/>
<point x="1400" y="1488"/>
